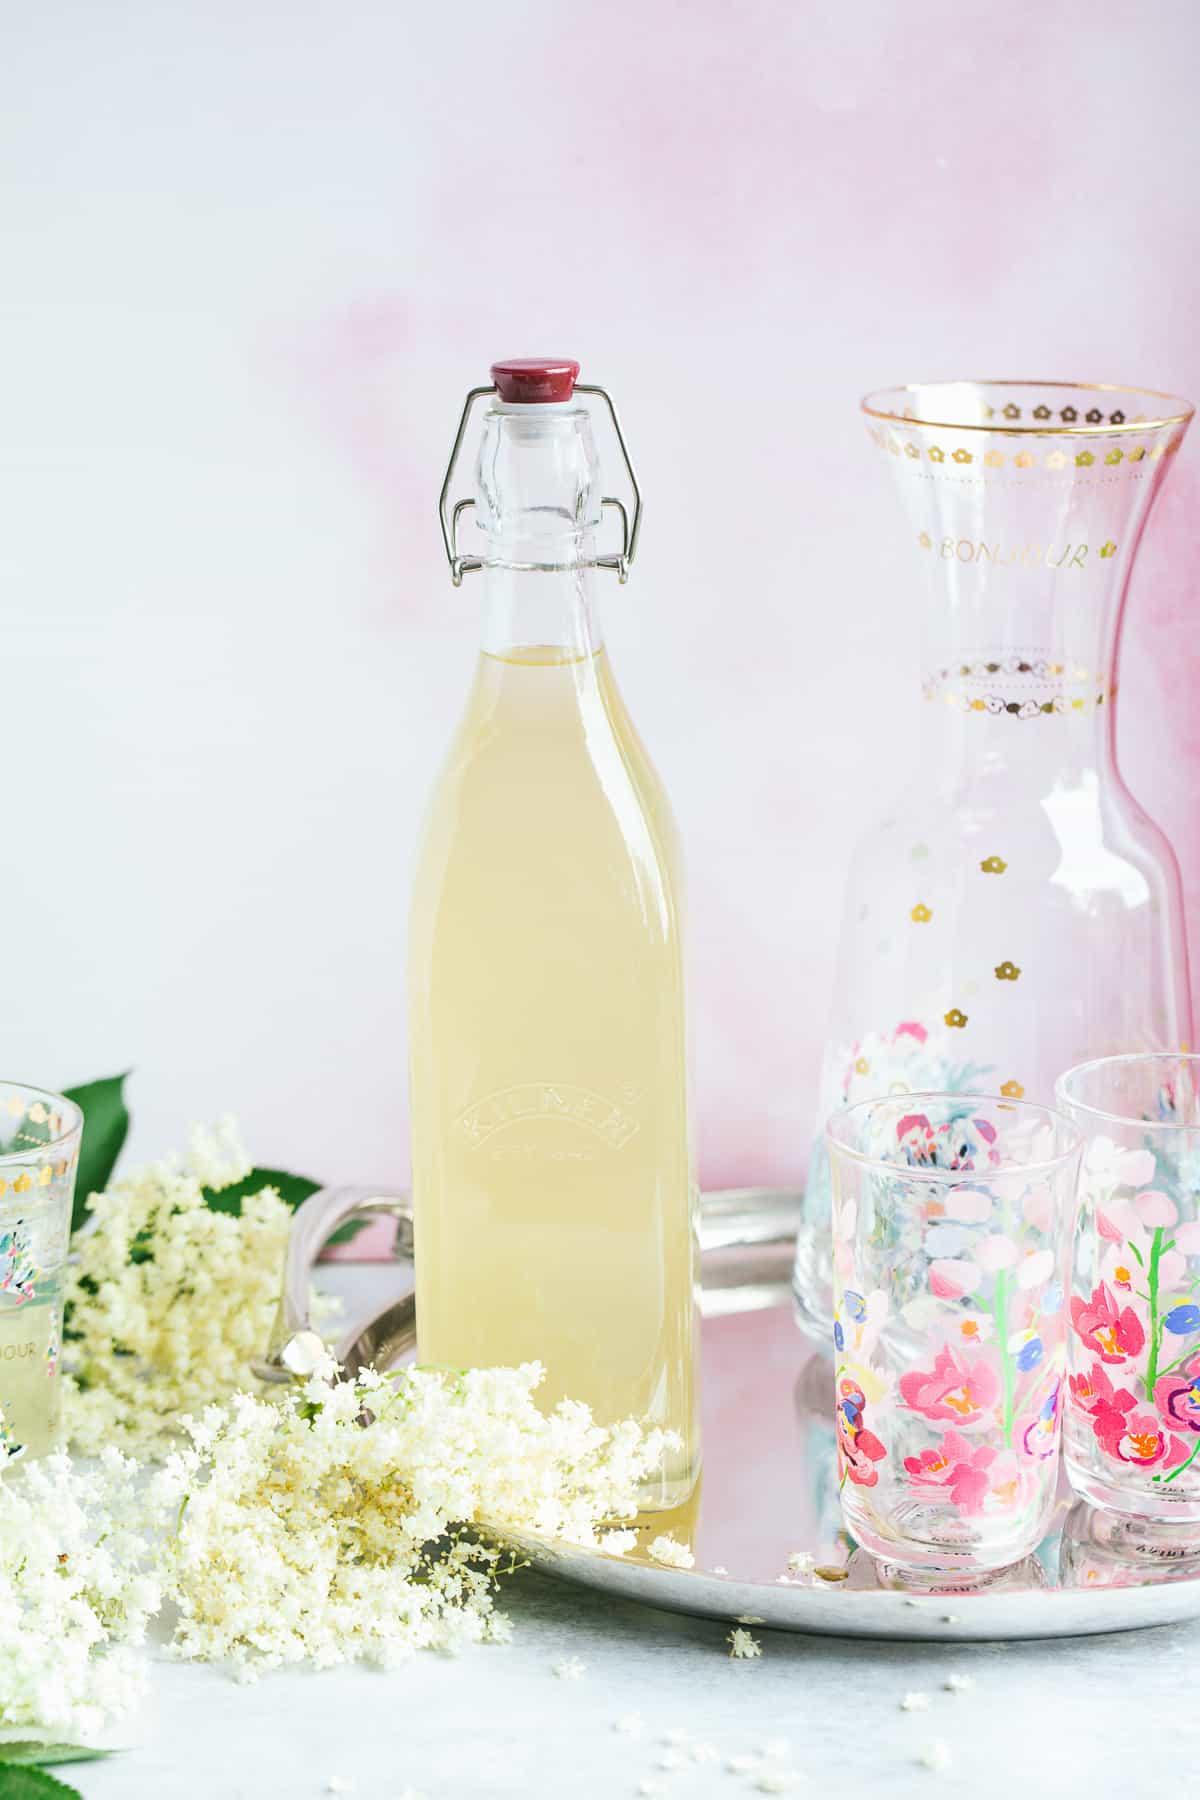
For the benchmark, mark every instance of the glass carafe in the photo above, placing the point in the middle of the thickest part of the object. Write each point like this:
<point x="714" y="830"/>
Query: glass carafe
<point x="555" y="1207"/>
<point x="1015" y="911"/>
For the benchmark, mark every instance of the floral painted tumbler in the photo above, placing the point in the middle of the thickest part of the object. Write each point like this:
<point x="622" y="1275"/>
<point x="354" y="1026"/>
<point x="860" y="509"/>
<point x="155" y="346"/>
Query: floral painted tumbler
<point x="951" y="1229"/>
<point x="1132" y="1427"/>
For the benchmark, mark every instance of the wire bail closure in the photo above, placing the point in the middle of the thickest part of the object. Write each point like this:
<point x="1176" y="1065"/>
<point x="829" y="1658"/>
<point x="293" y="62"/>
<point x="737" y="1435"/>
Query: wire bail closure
<point x="465" y="565"/>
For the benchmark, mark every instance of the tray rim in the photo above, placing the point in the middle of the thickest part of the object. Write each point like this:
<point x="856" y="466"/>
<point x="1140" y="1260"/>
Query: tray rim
<point x="745" y="1232"/>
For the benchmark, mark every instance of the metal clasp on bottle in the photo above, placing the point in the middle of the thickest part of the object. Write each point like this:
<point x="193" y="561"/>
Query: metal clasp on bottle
<point x="619" y="560"/>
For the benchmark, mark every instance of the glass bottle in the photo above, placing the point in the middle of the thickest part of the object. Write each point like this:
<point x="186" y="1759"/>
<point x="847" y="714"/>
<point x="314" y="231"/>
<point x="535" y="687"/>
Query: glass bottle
<point x="555" y="1204"/>
<point x="1015" y="911"/>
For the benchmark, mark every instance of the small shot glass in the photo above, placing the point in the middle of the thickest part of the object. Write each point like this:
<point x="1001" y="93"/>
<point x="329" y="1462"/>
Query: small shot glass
<point x="39" y="1151"/>
<point x="1132" y="1424"/>
<point x="951" y="1233"/>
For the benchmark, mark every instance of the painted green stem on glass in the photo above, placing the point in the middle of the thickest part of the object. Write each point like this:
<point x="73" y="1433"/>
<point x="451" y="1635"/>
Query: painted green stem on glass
<point x="1156" y="1248"/>
<point x="1183" y="1465"/>
<point x="1000" y="1312"/>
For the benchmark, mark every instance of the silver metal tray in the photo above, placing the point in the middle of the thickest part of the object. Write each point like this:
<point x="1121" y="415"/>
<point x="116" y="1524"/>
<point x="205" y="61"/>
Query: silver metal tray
<point x="769" y="1488"/>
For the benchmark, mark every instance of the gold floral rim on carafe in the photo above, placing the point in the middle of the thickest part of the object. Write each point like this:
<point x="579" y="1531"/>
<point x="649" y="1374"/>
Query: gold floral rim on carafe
<point x="958" y="411"/>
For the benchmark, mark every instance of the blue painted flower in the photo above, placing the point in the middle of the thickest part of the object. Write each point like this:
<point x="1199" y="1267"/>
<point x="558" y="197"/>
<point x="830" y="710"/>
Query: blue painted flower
<point x="1183" y="1320"/>
<point x="839" y="1336"/>
<point x="1030" y="1354"/>
<point x="855" y="1305"/>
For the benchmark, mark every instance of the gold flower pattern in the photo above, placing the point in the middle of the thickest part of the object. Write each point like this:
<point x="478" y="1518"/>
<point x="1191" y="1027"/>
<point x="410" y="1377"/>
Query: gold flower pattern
<point x="921" y="914"/>
<point x="862" y="1066"/>
<point x="1012" y="1090"/>
<point x="956" y="1019"/>
<point x="1007" y="971"/>
<point x="1054" y="459"/>
<point x="993" y="865"/>
<point x="1109" y="549"/>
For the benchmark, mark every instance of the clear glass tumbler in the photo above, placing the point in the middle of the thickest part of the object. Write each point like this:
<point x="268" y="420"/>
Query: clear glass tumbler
<point x="951" y="1231"/>
<point x="39" y="1150"/>
<point x="1132" y="1427"/>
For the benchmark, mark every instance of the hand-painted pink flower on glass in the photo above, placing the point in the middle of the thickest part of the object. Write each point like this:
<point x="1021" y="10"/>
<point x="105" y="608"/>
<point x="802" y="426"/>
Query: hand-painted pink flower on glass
<point x="1114" y="1332"/>
<point x="957" y="1465"/>
<point x="960" y="1387"/>
<point x="950" y="1218"/>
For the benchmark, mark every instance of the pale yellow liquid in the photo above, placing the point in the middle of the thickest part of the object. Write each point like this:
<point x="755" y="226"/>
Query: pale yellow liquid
<point x="555" y="1203"/>
<point x="29" y="1385"/>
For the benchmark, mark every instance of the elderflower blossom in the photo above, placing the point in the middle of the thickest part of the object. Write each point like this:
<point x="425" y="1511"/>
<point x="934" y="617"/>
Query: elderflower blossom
<point x="305" y="1535"/>
<point x="743" y="1644"/>
<point x="75" y="1599"/>
<point x="670" y="1551"/>
<point x="169" y="1299"/>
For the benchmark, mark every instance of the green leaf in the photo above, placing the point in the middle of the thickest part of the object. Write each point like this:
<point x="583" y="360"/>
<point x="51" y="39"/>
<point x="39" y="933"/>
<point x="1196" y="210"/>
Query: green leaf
<point x="20" y="1783"/>
<point x="24" y="1751"/>
<point x="292" y="1190"/>
<point x="105" y="1128"/>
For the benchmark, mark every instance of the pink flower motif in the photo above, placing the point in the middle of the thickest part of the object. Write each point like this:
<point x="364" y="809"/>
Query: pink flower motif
<point x="910" y="1028"/>
<point x="1137" y="1438"/>
<point x="951" y="1278"/>
<point x="1095" y="1390"/>
<point x="1103" y="1326"/>
<point x="957" y="1465"/>
<point x="1125" y="1262"/>
<point x="858" y="1448"/>
<point x="1177" y="1396"/>
<point x="959" y="1387"/>
<point x="1129" y="1436"/>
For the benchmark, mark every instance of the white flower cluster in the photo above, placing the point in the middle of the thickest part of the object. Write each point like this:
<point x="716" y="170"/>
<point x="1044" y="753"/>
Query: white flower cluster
<point x="169" y="1299"/>
<point x="76" y="1596"/>
<point x="306" y="1535"/>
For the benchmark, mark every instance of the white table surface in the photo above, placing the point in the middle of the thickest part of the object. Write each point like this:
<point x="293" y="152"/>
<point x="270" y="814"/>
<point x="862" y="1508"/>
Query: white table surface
<point x="1088" y="1717"/>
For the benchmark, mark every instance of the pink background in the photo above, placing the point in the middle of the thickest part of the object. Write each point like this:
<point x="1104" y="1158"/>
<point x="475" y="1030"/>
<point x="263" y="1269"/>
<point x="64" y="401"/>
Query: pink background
<point x="255" y="254"/>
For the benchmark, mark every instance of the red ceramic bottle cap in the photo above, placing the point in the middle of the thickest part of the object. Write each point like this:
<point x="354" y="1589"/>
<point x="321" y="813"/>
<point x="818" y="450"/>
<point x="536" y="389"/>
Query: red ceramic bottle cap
<point x="534" y="380"/>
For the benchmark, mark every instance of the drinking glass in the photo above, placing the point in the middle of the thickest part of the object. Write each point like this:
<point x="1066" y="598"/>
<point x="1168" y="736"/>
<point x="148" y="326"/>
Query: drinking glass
<point x="951" y="1230"/>
<point x="39" y="1150"/>
<point x="1132" y="1427"/>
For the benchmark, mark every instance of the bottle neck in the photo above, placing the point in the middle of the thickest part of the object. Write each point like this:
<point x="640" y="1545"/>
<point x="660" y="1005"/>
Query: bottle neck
<point x="535" y="611"/>
<point x="538" y="504"/>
